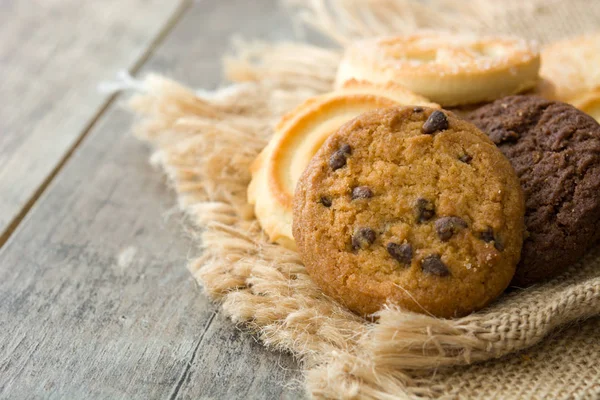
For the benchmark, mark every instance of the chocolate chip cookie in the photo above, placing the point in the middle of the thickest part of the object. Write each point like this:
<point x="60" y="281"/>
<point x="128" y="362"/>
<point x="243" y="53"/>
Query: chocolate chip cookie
<point x="411" y="206"/>
<point x="555" y="150"/>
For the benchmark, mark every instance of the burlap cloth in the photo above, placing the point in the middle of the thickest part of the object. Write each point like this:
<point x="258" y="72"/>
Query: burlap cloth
<point x="205" y="144"/>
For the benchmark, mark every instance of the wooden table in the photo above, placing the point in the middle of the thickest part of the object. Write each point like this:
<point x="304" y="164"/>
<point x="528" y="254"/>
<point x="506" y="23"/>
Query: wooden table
<point x="95" y="299"/>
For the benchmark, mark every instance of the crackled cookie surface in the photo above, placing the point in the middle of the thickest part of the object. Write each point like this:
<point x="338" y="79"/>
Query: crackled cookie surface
<point x="555" y="150"/>
<point x="412" y="206"/>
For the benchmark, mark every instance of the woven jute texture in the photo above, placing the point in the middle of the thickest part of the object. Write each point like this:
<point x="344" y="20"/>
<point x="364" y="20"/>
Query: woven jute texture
<point x="531" y="343"/>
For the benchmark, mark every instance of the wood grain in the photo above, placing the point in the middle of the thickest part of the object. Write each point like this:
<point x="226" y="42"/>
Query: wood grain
<point x="53" y="54"/>
<point x="95" y="300"/>
<point x="192" y="54"/>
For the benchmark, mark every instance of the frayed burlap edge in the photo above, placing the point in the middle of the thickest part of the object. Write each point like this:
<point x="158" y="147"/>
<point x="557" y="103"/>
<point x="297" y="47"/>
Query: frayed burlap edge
<point x="206" y="144"/>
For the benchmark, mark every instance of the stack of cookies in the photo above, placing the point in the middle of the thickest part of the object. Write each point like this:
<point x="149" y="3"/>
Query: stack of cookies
<point x="394" y="194"/>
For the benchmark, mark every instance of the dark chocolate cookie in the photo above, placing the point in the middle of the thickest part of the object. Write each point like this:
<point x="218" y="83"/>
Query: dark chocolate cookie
<point x="423" y="211"/>
<point x="555" y="150"/>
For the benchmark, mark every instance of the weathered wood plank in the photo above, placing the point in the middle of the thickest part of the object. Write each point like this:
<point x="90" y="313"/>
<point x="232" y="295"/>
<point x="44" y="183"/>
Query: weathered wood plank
<point x="232" y="365"/>
<point x="192" y="54"/>
<point x="95" y="301"/>
<point x="52" y="56"/>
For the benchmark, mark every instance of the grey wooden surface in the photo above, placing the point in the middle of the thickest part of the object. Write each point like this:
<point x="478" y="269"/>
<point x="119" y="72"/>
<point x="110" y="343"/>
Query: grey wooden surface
<point x="53" y="53"/>
<point x="95" y="300"/>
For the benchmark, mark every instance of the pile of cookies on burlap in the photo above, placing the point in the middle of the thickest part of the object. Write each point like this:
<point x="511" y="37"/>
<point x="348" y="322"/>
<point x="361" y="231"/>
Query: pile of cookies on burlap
<point x="442" y="169"/>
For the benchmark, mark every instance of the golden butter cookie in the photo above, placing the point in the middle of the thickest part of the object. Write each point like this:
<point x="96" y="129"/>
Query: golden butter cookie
<point x="589" y="103"/>
<point x="412" y="206"/>
<point x="570" y="73"/>
<point x="297" y="138"/>
<point x="450" y="69"/>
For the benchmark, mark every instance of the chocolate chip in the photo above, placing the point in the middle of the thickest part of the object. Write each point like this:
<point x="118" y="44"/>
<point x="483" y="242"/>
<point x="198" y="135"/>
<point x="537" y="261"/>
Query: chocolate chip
<point x="437" y="121"/>
<point x="361" y="192"/>
<point x="489" y="236"/>
<point x="338" y="159"/>
<point x="498" y="244"/>
<point x="418" y="109"/>
<point x="434" y="265"/>
<point x="448" y="226"/>
<point x="425" y="210"/>
<point x="345" y="149"/>
<point x="465" y="158"/>
<point x="363" y="238"/>
<point x="400" y="252"/>
<point x="326" y="201"/>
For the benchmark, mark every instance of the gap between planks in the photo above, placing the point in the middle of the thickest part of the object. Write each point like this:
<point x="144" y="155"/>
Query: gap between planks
<point x="158" y="39"/>
<point x="188" y="365"/>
